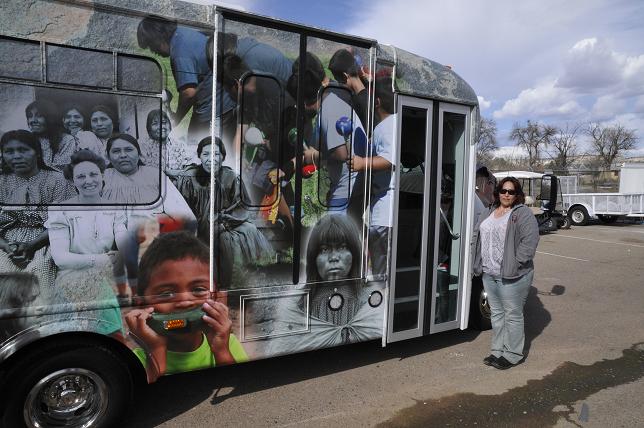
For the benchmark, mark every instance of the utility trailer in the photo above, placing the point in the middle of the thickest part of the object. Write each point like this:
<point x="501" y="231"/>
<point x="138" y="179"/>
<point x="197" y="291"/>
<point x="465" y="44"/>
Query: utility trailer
<point x="608" y="207"/>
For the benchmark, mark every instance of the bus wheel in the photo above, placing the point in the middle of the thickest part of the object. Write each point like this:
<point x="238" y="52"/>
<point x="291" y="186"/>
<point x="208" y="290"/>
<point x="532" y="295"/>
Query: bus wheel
<point x="565" y="222"/>
<point x="480" y="314"/>
<point x="80" y="386"/>
<point x="579" y="215"/>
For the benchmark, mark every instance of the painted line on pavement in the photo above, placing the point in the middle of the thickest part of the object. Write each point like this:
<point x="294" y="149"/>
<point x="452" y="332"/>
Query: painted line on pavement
<point x="617" y="229"/>
<point x="563" y="257"/>
<point x="597" y="240"/>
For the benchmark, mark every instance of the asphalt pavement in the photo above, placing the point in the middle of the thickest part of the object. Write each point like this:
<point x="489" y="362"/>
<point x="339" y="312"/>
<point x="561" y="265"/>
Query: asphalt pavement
<point x="584" y="364"/>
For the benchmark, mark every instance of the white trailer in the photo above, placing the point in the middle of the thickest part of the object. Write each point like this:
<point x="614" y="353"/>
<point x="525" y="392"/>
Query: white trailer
<point x="608" y="207"/>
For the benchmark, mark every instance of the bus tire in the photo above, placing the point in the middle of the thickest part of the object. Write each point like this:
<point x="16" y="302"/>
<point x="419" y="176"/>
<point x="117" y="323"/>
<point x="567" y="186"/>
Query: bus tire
<point x="97" y="387"/>
<point x="565" y="222"/>
<point x="480" y="314"/>
<point x="578" y="215"/>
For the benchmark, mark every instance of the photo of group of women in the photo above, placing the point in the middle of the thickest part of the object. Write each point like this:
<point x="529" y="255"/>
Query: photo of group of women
<point x="105" y="204"/>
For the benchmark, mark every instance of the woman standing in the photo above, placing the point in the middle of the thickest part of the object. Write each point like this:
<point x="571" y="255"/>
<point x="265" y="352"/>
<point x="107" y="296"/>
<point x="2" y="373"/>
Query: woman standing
<point x="506" y="240"/>
<point x="28" y="181"/>
<point x="41" y="119"/>
<point x="81" y="243"/>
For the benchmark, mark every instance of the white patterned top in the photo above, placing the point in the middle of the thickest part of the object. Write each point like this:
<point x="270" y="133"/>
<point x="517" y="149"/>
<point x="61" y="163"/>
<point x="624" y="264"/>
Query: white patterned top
<point x="493" y="242"/>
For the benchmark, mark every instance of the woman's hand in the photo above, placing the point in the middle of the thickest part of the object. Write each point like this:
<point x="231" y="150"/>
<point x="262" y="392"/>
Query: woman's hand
<point x="218" y="333"/>
<point x="115" y="257"/>
<point x="23" y="252"/>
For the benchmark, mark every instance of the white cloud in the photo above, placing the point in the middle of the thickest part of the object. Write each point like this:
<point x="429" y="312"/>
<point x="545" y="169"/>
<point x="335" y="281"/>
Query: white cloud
<point x="546" y="99"/>
<point x="510" y="153"/>
<point x="589" y="65"/>
<point x="483" y="103"/>
<point x="606" y="106"/>
<point x="639" y="105"/>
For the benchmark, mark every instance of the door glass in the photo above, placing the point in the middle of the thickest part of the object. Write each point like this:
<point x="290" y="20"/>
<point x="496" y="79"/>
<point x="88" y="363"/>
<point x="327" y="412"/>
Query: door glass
<point x="410" y="218"/>
<point x="451" y="206"/>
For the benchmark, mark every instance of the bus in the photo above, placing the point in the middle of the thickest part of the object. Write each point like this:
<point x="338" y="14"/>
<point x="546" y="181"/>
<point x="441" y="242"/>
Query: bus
<point x="185" y="186"/>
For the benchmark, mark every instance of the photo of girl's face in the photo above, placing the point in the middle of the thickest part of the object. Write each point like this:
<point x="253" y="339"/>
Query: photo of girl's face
<point x="102" y="125"/>
<point x="124" y="156"/>
<point x="334" y="261"/>
<point x="36" y="121"/>
<point x="160" y="127"/>
<point x="73" y="121"/>
<point x="88" y="179"/>
<point x="206" y="162"/>
<point x="21" y="158"/>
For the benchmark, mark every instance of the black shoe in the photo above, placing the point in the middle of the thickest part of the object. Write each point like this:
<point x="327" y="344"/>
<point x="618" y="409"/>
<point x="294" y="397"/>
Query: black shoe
<point x="502" y="364"/>
<point x="489" y="360"/>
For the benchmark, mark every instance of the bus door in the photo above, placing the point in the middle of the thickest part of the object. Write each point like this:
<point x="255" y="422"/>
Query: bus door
<point x="427" y="254"/>
<point x="414" y="214"/>
<point x="447" y="260"/>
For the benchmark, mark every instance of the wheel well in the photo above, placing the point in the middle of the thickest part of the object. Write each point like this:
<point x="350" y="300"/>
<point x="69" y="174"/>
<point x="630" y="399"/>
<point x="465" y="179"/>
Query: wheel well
<point x="135" y="367"/>
<point x="588" y="210"/>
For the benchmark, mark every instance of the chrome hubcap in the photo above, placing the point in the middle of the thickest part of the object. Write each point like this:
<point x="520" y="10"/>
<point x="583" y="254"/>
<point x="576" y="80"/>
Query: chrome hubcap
<point x="578" y="216"/>
<point x="71" y="397"/>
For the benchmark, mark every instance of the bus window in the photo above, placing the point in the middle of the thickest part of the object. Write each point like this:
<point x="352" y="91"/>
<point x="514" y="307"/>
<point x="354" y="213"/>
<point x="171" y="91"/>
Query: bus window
<point x="453" y="132"/>
<point x="80" y="67"/>
<point x="138" y="74"/>
<point x="261" y="106"/>
<point x="20" y="59"/>
<point x="256" y="114"/>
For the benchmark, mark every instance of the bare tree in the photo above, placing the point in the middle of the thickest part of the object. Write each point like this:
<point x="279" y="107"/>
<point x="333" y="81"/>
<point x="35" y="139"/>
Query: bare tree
<point x="486" y="144"/>
<point x="564" y="147"/>
<point x="610" y="141"/>
<point x="532" y="137"/>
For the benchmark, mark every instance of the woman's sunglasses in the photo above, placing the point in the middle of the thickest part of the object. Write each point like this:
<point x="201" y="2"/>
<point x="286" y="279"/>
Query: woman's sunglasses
<point x="508" y="191"/>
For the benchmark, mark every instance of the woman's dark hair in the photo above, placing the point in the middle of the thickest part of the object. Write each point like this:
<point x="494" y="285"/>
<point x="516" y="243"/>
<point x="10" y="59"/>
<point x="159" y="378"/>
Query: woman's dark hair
<point x="152" y="31"/>
<point x="208" y="141"/>
<point x="333" y="229"/>
<point x="27" y="138"/>
<point x="154" y="114"/>
<point x="520" y="196"/>
<point x="53" y="122"/>
<point x="84" y="155"/>
<point x="125" y="137"/>
<point x="109" y="112"/>
<point x="73" y="106"/>
<point x="170" y="246"/>
<point x="342" y="62"/>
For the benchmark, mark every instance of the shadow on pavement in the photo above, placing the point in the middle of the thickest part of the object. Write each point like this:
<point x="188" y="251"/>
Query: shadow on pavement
<point x="173" y="395"/>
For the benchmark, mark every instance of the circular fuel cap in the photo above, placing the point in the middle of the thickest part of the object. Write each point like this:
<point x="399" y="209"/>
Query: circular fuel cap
<point x="336" y="301"/>
<point x="375" y="299"/>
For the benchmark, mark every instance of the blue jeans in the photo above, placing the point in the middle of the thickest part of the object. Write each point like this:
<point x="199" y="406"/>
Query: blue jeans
<point x="507" y="298"/>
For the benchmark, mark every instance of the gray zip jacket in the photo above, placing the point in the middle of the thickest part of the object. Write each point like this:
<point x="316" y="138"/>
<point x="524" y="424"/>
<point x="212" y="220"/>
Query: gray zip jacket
<point x="521" y="240"/>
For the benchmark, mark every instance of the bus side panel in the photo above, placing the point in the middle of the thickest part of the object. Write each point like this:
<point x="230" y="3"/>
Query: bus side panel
<point x="107" y="186"/>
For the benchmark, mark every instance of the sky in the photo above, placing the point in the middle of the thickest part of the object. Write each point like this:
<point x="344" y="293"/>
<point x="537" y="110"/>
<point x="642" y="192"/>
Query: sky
<point x="551" y="61"/>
